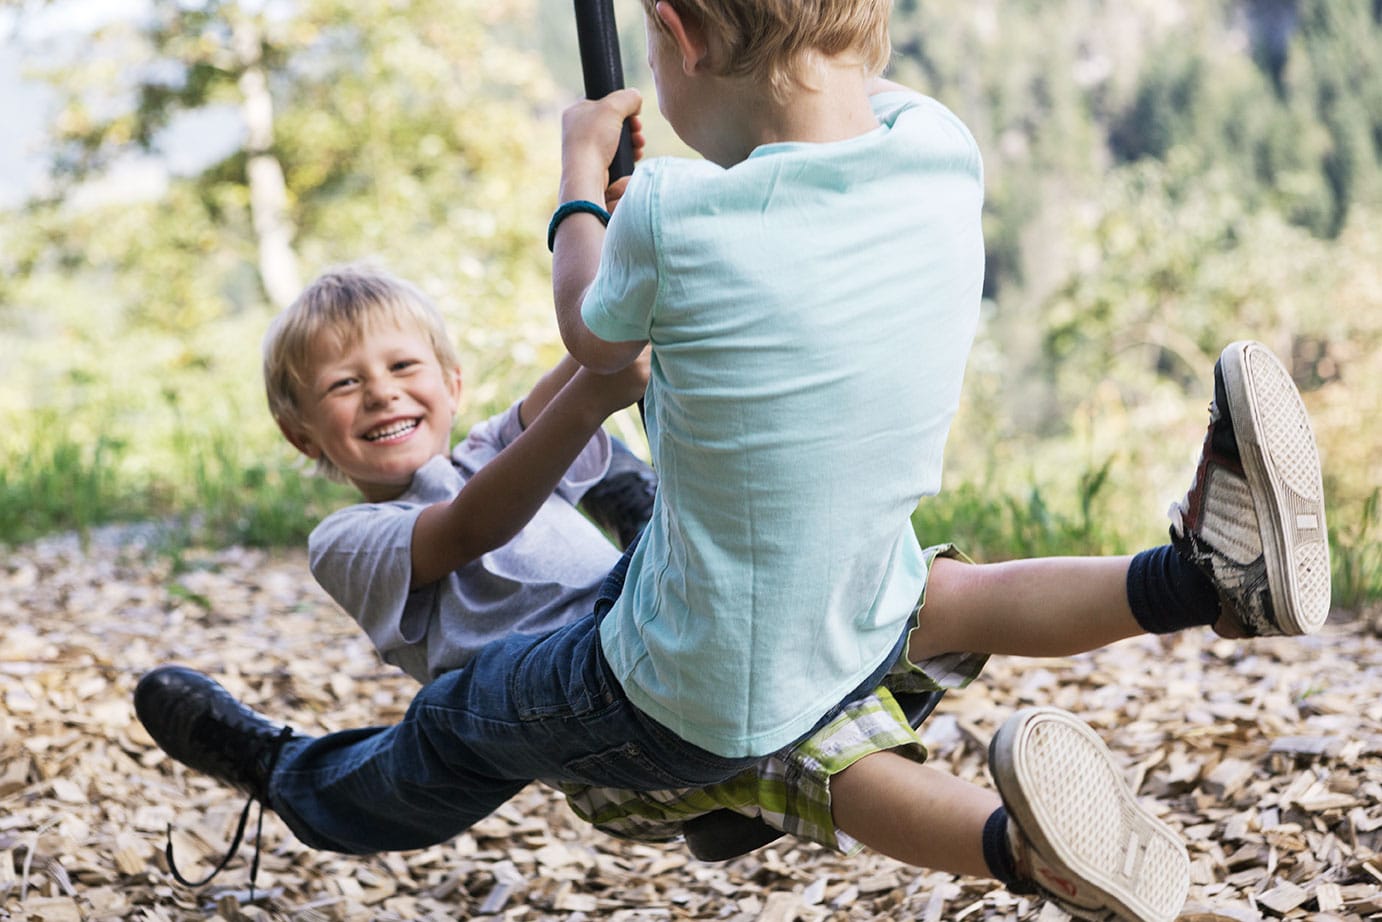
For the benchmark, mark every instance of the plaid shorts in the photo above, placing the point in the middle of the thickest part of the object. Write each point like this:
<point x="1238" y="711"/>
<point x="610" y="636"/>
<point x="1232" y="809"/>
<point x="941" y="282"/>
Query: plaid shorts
<point x="790" y="790"/>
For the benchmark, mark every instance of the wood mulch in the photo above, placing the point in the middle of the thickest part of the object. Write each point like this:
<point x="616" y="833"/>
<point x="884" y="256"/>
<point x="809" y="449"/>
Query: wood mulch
<point x="1267" y="755"/>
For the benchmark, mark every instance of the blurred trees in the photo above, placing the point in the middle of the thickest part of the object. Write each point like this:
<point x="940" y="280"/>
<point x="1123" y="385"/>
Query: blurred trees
<point x="1163" y="176"/>
<point x="418" y="134"/>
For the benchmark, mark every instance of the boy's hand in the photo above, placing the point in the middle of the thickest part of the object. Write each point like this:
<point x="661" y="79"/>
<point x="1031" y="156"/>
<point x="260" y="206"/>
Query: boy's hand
<point x="590" y="132"/>
<point x="615" y="190"/>
<point x="609" y="393"/>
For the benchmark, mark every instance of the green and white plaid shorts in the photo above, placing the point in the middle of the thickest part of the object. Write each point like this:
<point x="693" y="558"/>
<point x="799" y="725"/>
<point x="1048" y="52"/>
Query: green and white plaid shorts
<point x="790" y="790"/>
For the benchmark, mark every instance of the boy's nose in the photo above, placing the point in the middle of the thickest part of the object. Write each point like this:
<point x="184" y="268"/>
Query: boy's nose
<point x="379" y="393"/>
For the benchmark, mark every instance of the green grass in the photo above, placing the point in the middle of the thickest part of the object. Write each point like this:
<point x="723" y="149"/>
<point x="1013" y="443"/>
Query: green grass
<point x="224" y="490"/>
<point x="59" y="484"/>
<point x="1356" y="555"/>
<point x="1000" y="526"/>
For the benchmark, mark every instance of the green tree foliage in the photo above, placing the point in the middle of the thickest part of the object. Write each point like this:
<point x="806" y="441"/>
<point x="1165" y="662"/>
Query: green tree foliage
<point x="418" y="134"/>
<point x="1301" y="119"/>
<point x="1163" y="176"/>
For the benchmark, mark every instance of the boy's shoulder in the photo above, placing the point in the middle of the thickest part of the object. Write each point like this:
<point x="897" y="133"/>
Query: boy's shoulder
<point x="437" y="480"/>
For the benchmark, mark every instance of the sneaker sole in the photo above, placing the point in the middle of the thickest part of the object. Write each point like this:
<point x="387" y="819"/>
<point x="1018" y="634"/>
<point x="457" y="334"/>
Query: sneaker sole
<point x="1062" y="788"/>
<point x="1282" y="465"/>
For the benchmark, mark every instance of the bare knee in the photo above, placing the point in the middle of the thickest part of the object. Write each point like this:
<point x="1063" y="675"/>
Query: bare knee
<point x="942" y="620"/>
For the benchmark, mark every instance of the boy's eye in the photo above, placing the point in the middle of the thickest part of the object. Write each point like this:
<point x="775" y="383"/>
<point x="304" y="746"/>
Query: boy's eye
<point x="340" y="384"/>
<point x="405" y="364"/>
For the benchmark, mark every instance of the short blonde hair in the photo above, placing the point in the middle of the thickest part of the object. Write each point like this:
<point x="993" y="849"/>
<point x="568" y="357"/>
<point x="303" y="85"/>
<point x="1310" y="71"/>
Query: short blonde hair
<point x="345" y="302"/>
<point x="771" y="40"/>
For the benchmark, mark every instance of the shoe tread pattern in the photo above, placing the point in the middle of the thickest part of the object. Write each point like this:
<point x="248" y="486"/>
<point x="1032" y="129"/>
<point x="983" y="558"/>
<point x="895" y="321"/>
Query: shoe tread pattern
<point x="1079" y="812"/>
<point x="1283" y="464"/>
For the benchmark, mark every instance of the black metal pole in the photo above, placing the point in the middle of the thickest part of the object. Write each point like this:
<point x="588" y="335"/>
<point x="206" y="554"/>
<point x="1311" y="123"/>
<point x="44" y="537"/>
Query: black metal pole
<point x="602" y="68"/>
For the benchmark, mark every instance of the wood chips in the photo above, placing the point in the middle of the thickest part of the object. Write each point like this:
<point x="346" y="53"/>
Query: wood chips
<point x="1267" y="755"/>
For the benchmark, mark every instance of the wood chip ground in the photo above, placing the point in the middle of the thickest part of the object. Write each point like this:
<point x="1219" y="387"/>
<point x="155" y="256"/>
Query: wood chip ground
<point x="1266" y="755"/>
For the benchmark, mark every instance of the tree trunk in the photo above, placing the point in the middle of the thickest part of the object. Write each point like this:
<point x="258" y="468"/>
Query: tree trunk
<point x="278" y="265"/>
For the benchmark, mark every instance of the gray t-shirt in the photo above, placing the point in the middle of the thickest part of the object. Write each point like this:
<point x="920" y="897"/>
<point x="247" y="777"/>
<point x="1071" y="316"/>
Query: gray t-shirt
<point x="547" y="576"/>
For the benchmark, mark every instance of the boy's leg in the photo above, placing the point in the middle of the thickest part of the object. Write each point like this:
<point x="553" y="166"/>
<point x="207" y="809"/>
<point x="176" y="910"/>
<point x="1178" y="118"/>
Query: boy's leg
<point x="197" y="722"/>
<point x="523" y="709"/>
<point x="1249" y="552"/>
<point x="622" y="502"/>
<point x="915" y="813"/>
<point x="1066" y="825"/>
<point x="1050" y="606"/>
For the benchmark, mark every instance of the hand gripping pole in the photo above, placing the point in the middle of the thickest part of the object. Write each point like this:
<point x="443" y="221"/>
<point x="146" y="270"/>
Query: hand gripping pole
<point x="602" y="68"/>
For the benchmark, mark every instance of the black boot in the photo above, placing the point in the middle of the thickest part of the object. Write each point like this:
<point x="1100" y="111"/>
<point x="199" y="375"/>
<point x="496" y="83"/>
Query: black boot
<point x="622" y="502"/>
<point x="197" y="722"/>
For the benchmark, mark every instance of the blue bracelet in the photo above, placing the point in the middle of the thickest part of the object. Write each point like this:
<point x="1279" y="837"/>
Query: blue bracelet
<point x="566" y="210"/>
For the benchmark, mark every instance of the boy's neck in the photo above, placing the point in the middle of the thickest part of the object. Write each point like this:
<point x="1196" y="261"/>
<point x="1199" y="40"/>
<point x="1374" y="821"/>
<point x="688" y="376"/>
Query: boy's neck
<point x="833" y="105"/>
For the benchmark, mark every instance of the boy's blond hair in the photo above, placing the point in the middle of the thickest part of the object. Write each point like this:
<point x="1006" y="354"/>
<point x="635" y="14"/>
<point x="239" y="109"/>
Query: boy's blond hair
<point x="773" y="40"/>
<point x="345" y="302"/>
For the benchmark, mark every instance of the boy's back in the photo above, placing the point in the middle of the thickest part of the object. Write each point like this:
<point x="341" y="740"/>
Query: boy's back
<point x="810" y="311"/>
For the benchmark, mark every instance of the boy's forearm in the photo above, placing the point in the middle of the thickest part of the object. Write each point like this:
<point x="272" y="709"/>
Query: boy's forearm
<point x="590" y="135"/>
<point x="547" y="387"/>
<point x="503" y="496"/>
<point x="575" y="258"/>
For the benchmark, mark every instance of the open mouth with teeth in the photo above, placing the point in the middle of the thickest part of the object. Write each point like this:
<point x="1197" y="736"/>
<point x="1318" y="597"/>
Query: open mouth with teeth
<point x="392" y="431"/>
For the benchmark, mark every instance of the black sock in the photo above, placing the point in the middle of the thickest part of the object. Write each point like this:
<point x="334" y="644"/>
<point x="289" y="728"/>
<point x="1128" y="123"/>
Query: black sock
<point x="1169" y="593"/>
<point x="998" y="853"/>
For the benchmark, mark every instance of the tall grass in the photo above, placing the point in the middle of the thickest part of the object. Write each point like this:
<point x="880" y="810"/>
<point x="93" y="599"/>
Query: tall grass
<point x="991" y="526"/>
<point x="237" y="497"/>
<point x="224" y="490"/>
<point x="60" y="484"/>
<point x="221" y="492"/>
<point x="1356" y="551"/>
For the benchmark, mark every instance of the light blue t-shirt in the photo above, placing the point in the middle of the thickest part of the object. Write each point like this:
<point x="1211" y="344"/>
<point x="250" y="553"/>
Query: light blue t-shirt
<point x="810" y="312"/>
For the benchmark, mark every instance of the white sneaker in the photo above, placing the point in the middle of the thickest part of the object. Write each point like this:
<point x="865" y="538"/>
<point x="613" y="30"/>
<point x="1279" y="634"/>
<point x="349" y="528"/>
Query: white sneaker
<point x="1075" y="829"/>
<point x="1254" y="517"/>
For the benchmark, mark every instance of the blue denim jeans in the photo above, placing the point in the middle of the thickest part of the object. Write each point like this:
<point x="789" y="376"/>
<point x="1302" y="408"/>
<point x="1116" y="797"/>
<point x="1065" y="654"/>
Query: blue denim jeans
<point x="526" y="708"/>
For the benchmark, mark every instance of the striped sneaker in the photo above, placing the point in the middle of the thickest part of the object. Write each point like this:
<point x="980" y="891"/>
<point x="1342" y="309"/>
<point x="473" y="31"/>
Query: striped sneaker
<point x="1077" y="834"/>
<point x="1254" y="517"/>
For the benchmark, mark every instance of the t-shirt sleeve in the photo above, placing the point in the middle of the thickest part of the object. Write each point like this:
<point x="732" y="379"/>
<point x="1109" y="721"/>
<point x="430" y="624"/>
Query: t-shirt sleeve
<point x="946" y="132"/>
<point x="619" y="304"/>
<point x="362" y="557"/>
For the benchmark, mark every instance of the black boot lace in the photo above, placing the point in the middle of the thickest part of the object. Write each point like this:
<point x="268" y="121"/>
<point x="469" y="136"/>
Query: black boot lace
<point x="283" y="736"/>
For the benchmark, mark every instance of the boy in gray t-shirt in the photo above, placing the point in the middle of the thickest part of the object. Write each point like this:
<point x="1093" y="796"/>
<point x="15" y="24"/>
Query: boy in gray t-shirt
<point x="545" y="576"/>
<point x="548" y="573"/>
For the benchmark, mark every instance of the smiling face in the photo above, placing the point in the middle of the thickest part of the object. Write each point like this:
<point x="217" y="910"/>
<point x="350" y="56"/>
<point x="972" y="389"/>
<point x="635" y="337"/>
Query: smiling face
<point x="378" y="407"/>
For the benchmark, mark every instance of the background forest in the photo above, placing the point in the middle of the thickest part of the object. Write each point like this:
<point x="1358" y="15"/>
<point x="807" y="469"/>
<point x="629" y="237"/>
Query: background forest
<point x="1164" y="176"/>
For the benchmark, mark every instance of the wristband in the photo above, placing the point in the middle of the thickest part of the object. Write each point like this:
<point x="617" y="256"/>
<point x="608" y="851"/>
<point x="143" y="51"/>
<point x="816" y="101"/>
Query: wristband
<point x="566" y="210"/>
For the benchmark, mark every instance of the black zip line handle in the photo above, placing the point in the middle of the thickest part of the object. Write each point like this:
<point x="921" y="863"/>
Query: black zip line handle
<point x="602" y="69"/>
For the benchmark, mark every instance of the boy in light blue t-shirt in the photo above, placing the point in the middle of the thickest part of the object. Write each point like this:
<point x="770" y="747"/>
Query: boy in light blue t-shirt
<point x="809" y="294"/>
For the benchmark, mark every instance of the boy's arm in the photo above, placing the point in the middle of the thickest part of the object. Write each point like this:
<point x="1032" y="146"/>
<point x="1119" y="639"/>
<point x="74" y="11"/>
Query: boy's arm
<point x="547" y="387"/>
<point x="494" y="504"/>
<point x="590" y="134"/>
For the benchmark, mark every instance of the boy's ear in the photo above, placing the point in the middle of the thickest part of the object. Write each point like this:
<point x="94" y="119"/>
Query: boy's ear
<point x="301" y="440"/>
<point x="686" y="33"/>
<point x="453" y="386"/>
